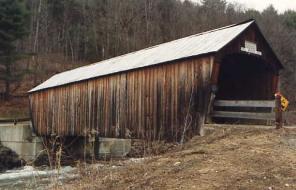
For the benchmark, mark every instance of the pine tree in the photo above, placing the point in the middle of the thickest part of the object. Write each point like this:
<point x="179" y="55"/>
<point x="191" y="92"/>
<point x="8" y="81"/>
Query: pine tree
<point x="13" y="27"/>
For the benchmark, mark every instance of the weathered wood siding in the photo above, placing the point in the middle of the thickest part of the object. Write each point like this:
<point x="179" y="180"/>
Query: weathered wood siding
<point x="152" y="103"/>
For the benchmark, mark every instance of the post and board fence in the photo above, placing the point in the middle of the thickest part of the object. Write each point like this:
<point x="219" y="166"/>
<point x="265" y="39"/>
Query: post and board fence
<point x="272" y="110"/>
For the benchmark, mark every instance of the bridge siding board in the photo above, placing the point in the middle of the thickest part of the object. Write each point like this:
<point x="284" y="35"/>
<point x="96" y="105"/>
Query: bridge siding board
<point x="112" y="104"/>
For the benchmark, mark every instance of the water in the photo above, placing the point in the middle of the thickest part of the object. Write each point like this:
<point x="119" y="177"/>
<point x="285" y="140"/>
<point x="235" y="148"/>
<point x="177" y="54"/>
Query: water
<point x="31" y="178"/>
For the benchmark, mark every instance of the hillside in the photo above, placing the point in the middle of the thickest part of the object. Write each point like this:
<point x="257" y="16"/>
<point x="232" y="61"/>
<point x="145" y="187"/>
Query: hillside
<point x="228" y="158"/>
<point x="62" y="35"/>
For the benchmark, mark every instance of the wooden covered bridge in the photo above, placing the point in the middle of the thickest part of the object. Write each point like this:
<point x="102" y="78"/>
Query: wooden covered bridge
<point x="161" y="92"/>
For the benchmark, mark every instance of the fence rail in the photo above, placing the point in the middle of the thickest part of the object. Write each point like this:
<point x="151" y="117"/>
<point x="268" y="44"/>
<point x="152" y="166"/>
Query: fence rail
<point x="14" y="120"/>
<point x="244" y="115"/>
<point x="274" y="107"/>
<point x="245" y="103"/>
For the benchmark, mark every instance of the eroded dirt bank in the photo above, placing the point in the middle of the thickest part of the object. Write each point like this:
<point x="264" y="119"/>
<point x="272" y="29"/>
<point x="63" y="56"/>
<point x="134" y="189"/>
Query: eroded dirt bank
<point x="228" y="158"/>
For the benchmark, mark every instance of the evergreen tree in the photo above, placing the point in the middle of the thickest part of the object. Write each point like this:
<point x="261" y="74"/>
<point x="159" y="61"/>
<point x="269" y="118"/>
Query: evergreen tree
<point x="13" y="27"/>
<point x="290" y="19"/>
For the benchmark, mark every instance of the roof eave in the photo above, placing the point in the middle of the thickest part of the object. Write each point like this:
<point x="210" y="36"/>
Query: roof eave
<point x="155" y="65"/>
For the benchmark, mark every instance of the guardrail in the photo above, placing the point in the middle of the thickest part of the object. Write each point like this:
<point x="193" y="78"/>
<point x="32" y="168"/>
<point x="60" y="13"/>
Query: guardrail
<point x="14" y="120"/>
<point x="274" y="113"/>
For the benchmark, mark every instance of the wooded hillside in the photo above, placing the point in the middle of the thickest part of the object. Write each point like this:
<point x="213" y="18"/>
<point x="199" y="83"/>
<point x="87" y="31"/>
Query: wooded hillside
<point x="65" y="34"/>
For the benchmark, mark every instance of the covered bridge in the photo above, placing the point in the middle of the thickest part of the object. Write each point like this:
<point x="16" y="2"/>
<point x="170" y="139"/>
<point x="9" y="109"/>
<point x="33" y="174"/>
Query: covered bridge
<point x="159" y="92"/>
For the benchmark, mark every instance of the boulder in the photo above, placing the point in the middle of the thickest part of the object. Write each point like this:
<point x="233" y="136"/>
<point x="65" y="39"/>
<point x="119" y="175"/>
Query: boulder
<point x="9" y="159"/>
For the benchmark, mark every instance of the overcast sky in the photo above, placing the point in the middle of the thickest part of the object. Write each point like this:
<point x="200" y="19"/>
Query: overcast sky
<point x="280" y="5"/>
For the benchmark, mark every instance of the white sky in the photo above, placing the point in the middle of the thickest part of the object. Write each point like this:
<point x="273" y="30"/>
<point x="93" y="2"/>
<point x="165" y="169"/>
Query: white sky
<point x="280" y="5"/>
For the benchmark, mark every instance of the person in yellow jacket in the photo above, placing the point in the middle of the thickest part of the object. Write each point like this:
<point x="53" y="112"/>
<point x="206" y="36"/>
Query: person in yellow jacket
<point x="284" y="101"/>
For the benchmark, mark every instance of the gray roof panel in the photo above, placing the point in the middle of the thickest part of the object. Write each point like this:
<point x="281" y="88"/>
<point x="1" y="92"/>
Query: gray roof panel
<point x="202" y="43"/>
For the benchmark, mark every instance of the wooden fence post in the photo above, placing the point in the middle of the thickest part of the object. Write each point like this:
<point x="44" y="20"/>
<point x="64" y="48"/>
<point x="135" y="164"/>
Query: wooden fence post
<point x="278" y="112"/>
<point x="210" y="108"/>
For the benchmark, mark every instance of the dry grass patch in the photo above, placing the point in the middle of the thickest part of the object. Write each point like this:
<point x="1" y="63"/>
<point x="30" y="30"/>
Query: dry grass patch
<point x="228" y="158"/>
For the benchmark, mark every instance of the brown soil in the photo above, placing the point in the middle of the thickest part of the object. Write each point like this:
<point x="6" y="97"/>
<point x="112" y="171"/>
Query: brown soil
<point x="14" y="108"/>
<point x="290" y="117"/>
<point x="228" y="158"/>
<point x="18" y="104"/>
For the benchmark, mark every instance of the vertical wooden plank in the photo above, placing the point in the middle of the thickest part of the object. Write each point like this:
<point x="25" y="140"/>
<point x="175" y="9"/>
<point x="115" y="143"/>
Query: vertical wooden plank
<point x="151" y="102"/>
<point x="278" y="112"/>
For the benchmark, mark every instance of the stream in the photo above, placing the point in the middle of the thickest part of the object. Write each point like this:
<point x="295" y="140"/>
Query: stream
<point x="30" y="178"/>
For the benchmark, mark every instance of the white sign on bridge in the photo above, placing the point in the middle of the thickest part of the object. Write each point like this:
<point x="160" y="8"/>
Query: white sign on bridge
<point x="251" y="47"/>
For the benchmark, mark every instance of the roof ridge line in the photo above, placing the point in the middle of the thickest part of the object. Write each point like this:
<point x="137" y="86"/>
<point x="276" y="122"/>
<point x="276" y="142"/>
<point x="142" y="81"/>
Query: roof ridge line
<point x="105" y="66"/>
<point x="190" y="36"/>
<point x="193" y="35"/>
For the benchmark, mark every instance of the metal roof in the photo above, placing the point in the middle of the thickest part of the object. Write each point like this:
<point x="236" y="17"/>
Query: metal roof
<point x="198" y="44"/>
